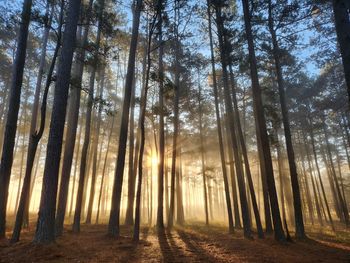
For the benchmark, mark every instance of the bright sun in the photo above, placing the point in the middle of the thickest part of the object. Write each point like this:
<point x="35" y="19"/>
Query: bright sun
<point x="154" y="160"/>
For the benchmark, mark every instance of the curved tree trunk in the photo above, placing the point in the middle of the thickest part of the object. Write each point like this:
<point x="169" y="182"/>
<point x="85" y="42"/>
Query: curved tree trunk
<point x="45" y="232"/>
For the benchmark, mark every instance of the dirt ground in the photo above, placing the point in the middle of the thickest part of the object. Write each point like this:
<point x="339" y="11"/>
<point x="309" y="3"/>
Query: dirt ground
<point x="193" y="243"/>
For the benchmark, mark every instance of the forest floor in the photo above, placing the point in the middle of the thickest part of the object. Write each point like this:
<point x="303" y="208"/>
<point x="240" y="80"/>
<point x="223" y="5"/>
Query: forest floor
<point x="192" y="243"/>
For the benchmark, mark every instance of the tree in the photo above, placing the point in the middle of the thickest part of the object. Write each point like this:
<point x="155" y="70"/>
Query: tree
<point x="12" y="115"/>
<point x="113" y="225"/>
<point x="261" y="130"/>
<point x="84" y="154"/>
<point x="45" y="230"/>
<point x="298" y="213"/>
<point x="218" y="122"/>
<point x="341" y="10"/>
<point x="35" y="135"/>
<point x="72" y="122"/>
<point x="230" y="120"/>
<point x="160" y="210"/>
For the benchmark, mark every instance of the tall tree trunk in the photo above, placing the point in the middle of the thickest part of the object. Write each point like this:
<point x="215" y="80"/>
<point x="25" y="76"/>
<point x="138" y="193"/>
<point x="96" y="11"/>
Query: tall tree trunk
<point x="45" y="232"/>
<point x="341" y="176"/>
<point x="298" y="213"/>
<point x="95" y="150"/>
<point x="113" y="225"/>
<point x="280" y="176"/>
<point x="218" y="123"/>
<point x="341" y="9"/>
<point x="82" y="177"/>
<point x="230" y="122"/>
<point x="136" y="233"/>
<point x="72" y="123"/>
<point x="261" y="129"/>
<point x="343" y="206"/>
<point x="12" y="114"/>
<point x="307" y="188"/>
<point x="34" y="140"/>
<point x="160" y="210"/>
<point x="176" y="121"/>
<point x="129" y="216"/>
<point x="35" y="107"/>
<point x="22" y="153"/>
<point x="77" y="155"/>
<point x="104" y="170"/>
<point x="318" y="210"/>
<point x="202" y="150"/>
<point x="180" y="220"/>
<point x="245" y="157"/>
<point x="319" y="174"/>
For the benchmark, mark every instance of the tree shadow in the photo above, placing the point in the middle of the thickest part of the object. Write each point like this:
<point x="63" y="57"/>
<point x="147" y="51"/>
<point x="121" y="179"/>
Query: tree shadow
<point x="144" y="233"/>
<point x="194" y="248"/>
<point x="165" y="248"/>
<point x="170" y="251"/>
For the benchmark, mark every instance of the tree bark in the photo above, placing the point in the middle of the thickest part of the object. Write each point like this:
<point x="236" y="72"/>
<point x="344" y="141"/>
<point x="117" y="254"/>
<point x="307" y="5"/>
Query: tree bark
<point x="246" y="160"/>
<point x="176" y="124"/>
<point x="72" y="123"/>
<point x="261" y="129"/>
<point x="45" y="232"/>
<point x="298" y="213"/>
<point x="12" y="114"/>
<point x="160" y="209"/>
<point x="230" y="121"/>
<point x="129" y="216"/>
<point x="113" y="225"/>
<point x="95" y="151"/>
<point x="341" y="9"/>
<point x="312" y="136"/>
<point x="218" y="123"/>
<point x="342" y="204"/>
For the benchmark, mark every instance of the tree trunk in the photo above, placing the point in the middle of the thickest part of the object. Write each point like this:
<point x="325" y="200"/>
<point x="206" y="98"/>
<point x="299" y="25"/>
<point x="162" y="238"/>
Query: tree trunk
<point x="129" y="217"/>
<point x="202" y="150"/>
<point x="12" y="115"/>
<point x="136" y="233"/>
<point x="72" y="123"/>
<point x="298" y="213"/>
<point x="160" y="210"/>
<point x="218" y="123"/>
<point x="319" y="174"/>
<point x="34" y="140"/>
<point x="341" y="9"/>
<point x="113" y="225"/>
<point x="342" y="204"/>
<point x="261" y="129"/>
<point x="180" y="220"/>
<point x="80" y="203"/>
<point x="176" y="123"/>
<point x="246" y="160"/>
<point x="95" y="151"/>
<point x="45" y="232"/>
<point x="77" y="155"/>
<point x="104" y="170"/>
<point x="230" y="121"/>
<point x="318" y="210"/>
